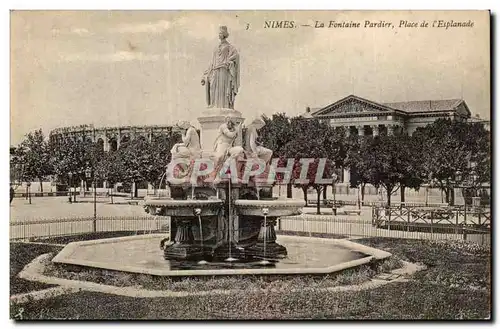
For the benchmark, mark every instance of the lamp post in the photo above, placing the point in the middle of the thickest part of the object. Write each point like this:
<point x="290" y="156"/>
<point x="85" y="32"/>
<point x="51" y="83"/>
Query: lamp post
<point x="28" y="185"/>
<point x="334" y="181"/>
<point x="476" y="199"/>
<point x="88" y="174"/>
<point x="70" y="176"/>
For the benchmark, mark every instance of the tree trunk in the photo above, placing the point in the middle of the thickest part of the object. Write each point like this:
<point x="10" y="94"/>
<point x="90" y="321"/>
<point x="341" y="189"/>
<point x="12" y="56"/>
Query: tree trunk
<point x="388" y="190"/>
<point x="452" y="196"/>
<point x="304" y="190"/>
<point x="318" y="205"/>
<point x="446" y="195"/>
<point x="111" y="195"/>
<point x="324" y="194"/>
<point x="363" y="194"/>
<point x="136" y="191"/>
<point x="402" y="191"/>
<point x="41" y="184"/>
<point x="289" y="191"/>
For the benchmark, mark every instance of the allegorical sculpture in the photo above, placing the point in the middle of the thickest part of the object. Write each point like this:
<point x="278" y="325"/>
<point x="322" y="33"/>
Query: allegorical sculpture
<point x="224" y="143"/>
<point x="253" y="146"/>
<point x="222" y="78"/>
<point x="190" y="146"/>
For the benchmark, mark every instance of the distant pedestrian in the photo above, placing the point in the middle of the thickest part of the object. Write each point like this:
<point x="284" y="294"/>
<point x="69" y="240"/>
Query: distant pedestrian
<point x="11" y="193"/>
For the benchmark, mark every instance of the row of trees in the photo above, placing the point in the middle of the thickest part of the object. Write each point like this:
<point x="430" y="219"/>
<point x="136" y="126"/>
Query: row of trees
<point x="137" y="160"/>
<point x="445" y="154"/>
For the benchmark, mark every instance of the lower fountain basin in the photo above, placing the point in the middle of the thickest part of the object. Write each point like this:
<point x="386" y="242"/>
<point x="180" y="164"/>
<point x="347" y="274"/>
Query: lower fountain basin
<point x="275" y="208"/>
<point x="140" y="254"/>
<point x="185" y="208"/>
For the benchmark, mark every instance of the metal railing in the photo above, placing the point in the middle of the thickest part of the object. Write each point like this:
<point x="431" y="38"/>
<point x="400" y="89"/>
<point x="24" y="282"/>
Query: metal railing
<point x="341" y="203"/>
<point x="26" y="229"/>
<point x="454" y="224"/>
<point x="45" y="194"/>
<point x="456" y="219"/>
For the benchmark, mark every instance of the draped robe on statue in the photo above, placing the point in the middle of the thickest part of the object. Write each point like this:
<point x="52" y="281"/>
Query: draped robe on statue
<point x="253" y="146"/>
<point x="190" y="146"/>
<point x="222" y="78"/>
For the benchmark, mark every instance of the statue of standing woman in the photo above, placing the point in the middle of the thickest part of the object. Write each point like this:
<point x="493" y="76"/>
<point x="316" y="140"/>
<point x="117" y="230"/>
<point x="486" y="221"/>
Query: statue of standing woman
<point x="222" y="78"/>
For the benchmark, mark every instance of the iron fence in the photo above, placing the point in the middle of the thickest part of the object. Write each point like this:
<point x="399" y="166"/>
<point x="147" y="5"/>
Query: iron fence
<point x="456" y="219"/>
<point x="451" y="224"/>
<point x="40" y="228"/>
<point x="397" y="222"/>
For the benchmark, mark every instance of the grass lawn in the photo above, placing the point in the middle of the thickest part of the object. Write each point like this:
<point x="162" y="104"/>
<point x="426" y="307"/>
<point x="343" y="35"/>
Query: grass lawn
<point x="22" y="254"/>
<point x="89" y="236"/>
<point x="456" y="285"/>
<point x="313" y="234"/>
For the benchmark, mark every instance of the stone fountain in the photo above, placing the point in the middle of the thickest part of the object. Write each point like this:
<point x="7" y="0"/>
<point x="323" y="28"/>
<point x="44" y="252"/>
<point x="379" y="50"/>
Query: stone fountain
<point x="217" y="209"/>
<point x="221" y="210"/>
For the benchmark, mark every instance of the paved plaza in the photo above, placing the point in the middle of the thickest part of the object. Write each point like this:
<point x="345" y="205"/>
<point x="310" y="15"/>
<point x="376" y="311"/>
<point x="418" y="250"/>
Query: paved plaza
<point x="58" y="207"/>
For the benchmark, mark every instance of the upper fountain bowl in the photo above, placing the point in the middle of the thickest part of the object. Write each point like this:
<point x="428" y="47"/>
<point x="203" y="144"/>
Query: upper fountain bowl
<point x="185" y="208"/>
<point x="271" y="208"/>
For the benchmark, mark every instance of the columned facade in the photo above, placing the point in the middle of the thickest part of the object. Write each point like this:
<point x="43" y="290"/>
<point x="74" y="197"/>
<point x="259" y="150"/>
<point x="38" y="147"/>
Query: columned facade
<point x="362" y="117"/>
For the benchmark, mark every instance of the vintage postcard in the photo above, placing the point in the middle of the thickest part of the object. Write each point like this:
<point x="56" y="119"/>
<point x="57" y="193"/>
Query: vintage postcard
<point x="250" y="165"/>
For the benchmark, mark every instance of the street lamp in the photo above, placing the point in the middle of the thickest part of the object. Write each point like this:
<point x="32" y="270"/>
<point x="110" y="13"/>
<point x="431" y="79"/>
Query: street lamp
<point x="88" y="174"/>
<point x="476" y="199"/>
<point x="334" y="181"/>
<point x="70" y="176"/>
<point x="28" y="185"/>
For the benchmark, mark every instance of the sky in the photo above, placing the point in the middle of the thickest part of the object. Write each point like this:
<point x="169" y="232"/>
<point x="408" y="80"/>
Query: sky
<point x="113" y="68"/>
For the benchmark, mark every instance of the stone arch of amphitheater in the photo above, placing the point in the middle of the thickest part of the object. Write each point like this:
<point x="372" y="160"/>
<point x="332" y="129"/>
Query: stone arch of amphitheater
<point x="111" y="138"/>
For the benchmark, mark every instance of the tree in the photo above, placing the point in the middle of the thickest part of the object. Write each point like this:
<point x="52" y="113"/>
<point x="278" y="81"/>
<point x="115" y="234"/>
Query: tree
<point x="410" y="166"/>
<point x="110" y="169"/>
<point x="17" y="175"/>
<point x="315" y="174"/>
<point x="385" y="162"/>
<point x="454" y="152"/>
<point x="146" y="161"/>
<point x="33" y="153"/>
<point x="317" y="140"/>
<point x="358" y="162"/>
<point x="134" y="157"/>
<point x="159" y="157"/>
<point x="275" y="135"/>
<point x="75" y="155"/>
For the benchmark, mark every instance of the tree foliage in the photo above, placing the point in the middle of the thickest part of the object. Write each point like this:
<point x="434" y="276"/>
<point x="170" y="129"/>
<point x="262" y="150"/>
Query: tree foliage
<point x="455" y="153"/>
<point x="34" y="157"/>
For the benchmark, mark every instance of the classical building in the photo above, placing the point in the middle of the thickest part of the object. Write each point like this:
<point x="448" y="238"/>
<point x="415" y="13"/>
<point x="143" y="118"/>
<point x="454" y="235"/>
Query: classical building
<point x="365" y="117"/>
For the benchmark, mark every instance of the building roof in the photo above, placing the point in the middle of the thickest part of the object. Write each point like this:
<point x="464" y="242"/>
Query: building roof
<point x="426" y="105"/>
<point x="403" y="108"/>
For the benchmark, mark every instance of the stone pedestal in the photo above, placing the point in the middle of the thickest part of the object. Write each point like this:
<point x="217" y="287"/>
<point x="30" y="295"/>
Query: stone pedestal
<point x="210" y="120"/>
<point x="183" y="247"/>
<point x="266" y="246"/>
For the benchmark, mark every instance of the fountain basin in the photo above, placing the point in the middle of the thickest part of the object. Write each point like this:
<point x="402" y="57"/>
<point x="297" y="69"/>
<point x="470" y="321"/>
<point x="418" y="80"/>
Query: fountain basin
<point x="275" y="208"/>
<point x="140" y="254"/>
<point x="185" y="208"/>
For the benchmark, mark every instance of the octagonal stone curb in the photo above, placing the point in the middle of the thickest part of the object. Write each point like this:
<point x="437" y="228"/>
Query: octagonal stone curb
<point x="65" y="256"/>
<point x="32" y="271"/>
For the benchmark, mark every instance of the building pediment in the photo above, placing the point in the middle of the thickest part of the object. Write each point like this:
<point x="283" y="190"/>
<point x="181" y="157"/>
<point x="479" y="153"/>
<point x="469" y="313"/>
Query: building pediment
<point x="353" y="105"/>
